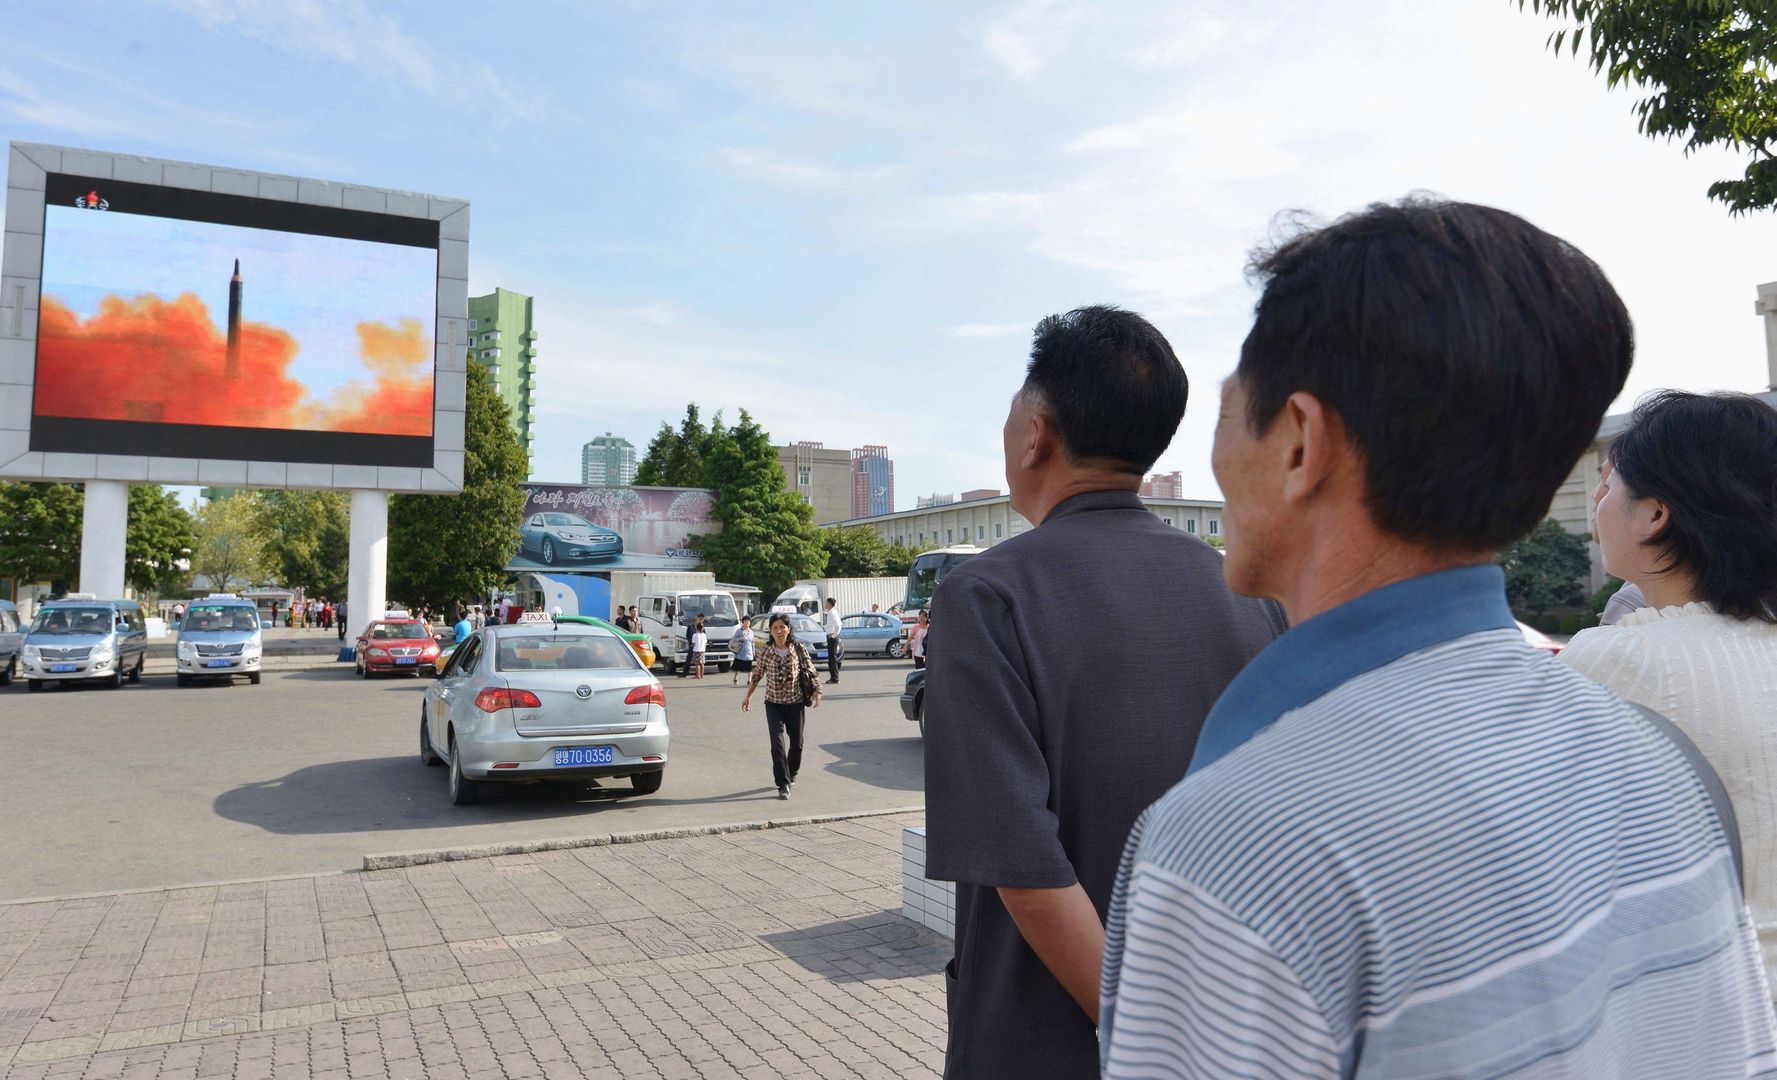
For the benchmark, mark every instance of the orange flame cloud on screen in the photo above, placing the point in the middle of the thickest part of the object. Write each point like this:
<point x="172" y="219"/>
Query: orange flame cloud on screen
<point x="149" y="359"/>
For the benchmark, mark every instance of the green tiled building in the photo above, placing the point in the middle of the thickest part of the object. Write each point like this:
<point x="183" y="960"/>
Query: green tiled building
<point x="502" y="336"/>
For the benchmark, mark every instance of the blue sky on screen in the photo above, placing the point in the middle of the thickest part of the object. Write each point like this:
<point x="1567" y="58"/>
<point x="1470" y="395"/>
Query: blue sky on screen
<point x="847" y="217"/>
<point x="315" y="288"/>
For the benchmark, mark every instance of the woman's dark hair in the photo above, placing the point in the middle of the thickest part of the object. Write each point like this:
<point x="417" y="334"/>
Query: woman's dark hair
<point x="1712" y="459"/>
<point x="1111" y="382"/>
<point x="1469" y="354"/>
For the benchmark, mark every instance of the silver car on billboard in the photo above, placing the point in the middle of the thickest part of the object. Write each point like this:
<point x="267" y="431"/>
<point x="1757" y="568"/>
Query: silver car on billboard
<point x="541" y="701"/>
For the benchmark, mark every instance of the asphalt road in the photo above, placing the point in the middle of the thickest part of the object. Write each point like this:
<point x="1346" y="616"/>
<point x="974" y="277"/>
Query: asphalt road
<point x="153" y="786"/>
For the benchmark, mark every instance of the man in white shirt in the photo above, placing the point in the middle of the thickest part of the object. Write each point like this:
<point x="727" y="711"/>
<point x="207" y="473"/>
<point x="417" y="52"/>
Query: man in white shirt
<point x="830" y="624"/>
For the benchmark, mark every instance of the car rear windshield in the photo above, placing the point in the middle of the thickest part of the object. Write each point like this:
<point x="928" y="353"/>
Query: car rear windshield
<point x="72" y="620"/>
<point x="219" y="617"/>
<point x="565" y="652"/>
<point x="387" y="631"/>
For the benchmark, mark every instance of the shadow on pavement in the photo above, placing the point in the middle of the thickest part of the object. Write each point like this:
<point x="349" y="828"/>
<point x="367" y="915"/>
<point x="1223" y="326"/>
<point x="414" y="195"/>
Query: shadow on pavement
<point x="879" y="945"/>
<point x="892" y="764"/>
<point x="394" y="793"/>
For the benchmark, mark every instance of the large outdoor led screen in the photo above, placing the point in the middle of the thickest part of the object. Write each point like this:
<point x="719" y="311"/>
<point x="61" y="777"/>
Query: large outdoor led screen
<point x="196" y="324"/>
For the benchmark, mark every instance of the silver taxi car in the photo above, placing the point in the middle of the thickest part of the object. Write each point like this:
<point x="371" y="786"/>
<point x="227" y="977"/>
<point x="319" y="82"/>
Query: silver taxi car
<point x="219" y="638"/>
<point x="540" y="701"/>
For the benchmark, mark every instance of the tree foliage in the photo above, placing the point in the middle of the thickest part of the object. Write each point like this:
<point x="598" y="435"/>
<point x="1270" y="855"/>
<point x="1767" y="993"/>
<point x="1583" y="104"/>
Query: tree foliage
<point x="1704" y="67"/>
<point x="40" y="532"/>
<point x="444" y="548"/>
<point x="159" y="543"/>
<point x="862" y="553"/>
<point x="229" y="550"/>
<point x="307" y="538"/>
<point x="768" y="538"/>
<point x="676" y="458"/>
<point x="1546" y="569"/>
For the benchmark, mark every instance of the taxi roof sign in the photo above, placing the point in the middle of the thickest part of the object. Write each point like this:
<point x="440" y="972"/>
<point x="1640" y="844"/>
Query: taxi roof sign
<point x="536" y="617"/>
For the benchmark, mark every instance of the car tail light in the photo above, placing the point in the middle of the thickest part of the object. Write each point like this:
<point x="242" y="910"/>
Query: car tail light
<point x="651" y="694"/>
<point x="495" y="698"/>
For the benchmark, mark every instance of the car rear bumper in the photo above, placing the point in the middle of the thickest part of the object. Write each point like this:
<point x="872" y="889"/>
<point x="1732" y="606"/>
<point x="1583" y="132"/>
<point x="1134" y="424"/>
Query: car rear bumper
<point x="644" y="751"/>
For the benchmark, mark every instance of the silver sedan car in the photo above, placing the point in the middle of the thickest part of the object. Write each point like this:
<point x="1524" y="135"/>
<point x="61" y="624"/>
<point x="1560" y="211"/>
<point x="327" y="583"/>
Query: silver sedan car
<point x="540" y="701"/>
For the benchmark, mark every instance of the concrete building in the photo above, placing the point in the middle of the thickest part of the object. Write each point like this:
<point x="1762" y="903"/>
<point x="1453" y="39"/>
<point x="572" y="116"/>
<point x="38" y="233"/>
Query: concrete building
<point x="821" y="476"/>
<point x="1164" y="486"/>
<point x="934" y="499"/>
<point x="609" y="461"/>
<point x="977" y="493"/>
<point x="987" y="521"/>
<point x="503" y="336"/>
<point x="872" y="482"/>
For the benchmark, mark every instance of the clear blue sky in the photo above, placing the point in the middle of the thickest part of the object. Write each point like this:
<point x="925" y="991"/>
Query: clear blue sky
<point x="846" y="217"/>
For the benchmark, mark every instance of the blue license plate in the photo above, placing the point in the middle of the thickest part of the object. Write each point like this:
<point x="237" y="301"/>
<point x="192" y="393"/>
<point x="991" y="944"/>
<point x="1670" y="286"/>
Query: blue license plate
<point x="64" y="667"/>
<point x="219" y="663"/>
<point x="407" y="660"/>
<point x="583" y="755"/>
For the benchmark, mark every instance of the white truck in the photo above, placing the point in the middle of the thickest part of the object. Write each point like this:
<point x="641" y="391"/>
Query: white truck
<point x="809" y="595"/>
<point x="667" y="616"/>
<point x="628" y="586"/>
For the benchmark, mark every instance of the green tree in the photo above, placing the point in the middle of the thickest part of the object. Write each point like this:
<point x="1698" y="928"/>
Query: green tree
<point x="1704" y="67"/>
<point x="768" y="538"/>
<point x="676" y="458"/>
<point x="307" y="538"/>
<point x="1546" y="569"/>
<point x="857" y="553"/>
<point x="159" y="542"/>
<point x="229" y="550"/>
<point x="40" y="532"/>
<point x="444" y="548"/>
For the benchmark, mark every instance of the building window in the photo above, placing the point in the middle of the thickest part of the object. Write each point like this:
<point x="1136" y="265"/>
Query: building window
<point x="998" y="529"/>
<point x="807" y="498"/>
<point x="802" y="476"/>
<point x="1215" y="527"/>
<point x="473" y="322"/>
<point x="922" y="536"/>
<point x="1166" y="521"/>
<point x="1191" y="526"/>
<point x="950" y="536"/>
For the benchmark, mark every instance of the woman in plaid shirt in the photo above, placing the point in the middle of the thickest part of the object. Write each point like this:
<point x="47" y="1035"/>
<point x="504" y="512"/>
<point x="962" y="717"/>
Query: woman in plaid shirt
<point x="779" y="665"/>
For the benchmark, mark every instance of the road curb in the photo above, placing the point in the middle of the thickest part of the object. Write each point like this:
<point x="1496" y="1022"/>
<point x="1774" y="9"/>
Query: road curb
<point x="395" y="860"/>
<point x="107" y="893"/>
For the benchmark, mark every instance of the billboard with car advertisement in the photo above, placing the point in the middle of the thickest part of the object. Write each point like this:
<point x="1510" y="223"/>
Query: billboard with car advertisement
<point x="580" y="527"/>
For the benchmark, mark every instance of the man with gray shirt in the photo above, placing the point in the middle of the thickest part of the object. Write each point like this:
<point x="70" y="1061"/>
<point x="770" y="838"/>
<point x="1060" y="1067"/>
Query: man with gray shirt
<point x="1068" y="675"/>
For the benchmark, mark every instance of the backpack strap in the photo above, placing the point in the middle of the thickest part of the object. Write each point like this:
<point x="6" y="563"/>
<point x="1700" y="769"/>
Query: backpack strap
<point x="1718" y="794"/>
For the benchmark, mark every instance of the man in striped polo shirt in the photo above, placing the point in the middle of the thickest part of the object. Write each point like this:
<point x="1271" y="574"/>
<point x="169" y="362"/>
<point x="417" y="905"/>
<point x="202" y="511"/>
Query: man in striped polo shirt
<point x="1409" y="845"/>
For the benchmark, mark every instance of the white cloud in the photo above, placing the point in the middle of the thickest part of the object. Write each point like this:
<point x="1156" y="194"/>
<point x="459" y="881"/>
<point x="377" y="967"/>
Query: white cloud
<point x="989" y="330"/>
<point x="792" y="172"/>
<point x="809" y="77"/>
<point x="1025" y="38"/>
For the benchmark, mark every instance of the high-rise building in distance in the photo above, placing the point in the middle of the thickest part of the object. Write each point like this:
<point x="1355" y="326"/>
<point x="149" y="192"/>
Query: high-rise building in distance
<point x="872" y="482"/>
<point x="939" y="499"/>
<point x="609" y="460"/>
<point x="1164" y="486"/>
<point x="503" y="336"/>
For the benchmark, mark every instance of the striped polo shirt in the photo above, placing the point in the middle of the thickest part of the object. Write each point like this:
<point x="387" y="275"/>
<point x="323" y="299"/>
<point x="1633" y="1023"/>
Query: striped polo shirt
<point x="1412" y="846"/>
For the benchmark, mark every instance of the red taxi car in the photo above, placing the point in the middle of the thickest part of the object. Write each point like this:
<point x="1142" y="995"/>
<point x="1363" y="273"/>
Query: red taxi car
<point x="395" y="645"/>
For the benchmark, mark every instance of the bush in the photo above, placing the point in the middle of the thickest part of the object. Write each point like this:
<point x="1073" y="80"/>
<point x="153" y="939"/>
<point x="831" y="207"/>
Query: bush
<point x="1573" y="624"/>
<point x="1603" y="595"/>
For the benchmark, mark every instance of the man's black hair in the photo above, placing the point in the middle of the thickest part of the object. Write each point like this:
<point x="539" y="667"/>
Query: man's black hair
<point x="1470" y="355"/>
<point x="1111" y="382"/>
<point x="1713" y="461"/>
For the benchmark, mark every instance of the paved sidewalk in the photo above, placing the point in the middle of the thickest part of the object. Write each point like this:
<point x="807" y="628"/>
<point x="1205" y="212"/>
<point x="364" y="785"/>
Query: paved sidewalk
<point x="777" y="952"/>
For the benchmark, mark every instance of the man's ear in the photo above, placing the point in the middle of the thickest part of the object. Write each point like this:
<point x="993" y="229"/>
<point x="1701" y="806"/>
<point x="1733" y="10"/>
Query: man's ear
<point x="1042" y="442"/>
<point x="1311" y="441"/>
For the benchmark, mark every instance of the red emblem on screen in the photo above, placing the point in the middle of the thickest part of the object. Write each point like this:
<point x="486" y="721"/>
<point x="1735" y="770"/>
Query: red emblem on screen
<point x="91" y="201"/>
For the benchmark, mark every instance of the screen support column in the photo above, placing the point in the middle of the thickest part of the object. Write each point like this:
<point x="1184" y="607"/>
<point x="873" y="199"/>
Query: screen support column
<point x="105" y="518"/>
<point x="367" y="572"/>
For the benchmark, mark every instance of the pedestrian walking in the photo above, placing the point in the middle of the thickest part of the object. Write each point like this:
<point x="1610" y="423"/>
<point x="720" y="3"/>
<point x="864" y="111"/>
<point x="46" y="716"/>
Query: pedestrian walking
<point x="700" y="641"/>
<point x="1044" y="743"/>
<point x="463" y="628"/>
<point x="791" y="687"/>
<point x="1410" y="844"/>
<point x="830" y="627"/>
<point x="741" y="645"/>
<point x="916" y="638"/>
<point x="1687" y="511"/>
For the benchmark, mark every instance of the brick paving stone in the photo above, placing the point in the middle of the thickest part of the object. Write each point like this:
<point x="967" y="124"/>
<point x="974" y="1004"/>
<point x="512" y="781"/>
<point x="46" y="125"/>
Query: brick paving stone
<point x="776" y="953"/>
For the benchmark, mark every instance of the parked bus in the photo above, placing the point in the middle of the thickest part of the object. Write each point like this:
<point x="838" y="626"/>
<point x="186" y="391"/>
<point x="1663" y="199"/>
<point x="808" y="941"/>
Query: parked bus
<point x="929" y="568"/>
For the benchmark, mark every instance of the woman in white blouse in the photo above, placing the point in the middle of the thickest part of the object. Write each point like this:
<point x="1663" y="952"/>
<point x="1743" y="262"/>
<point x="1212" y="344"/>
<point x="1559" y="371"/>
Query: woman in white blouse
<point x="1687" y="510"/>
